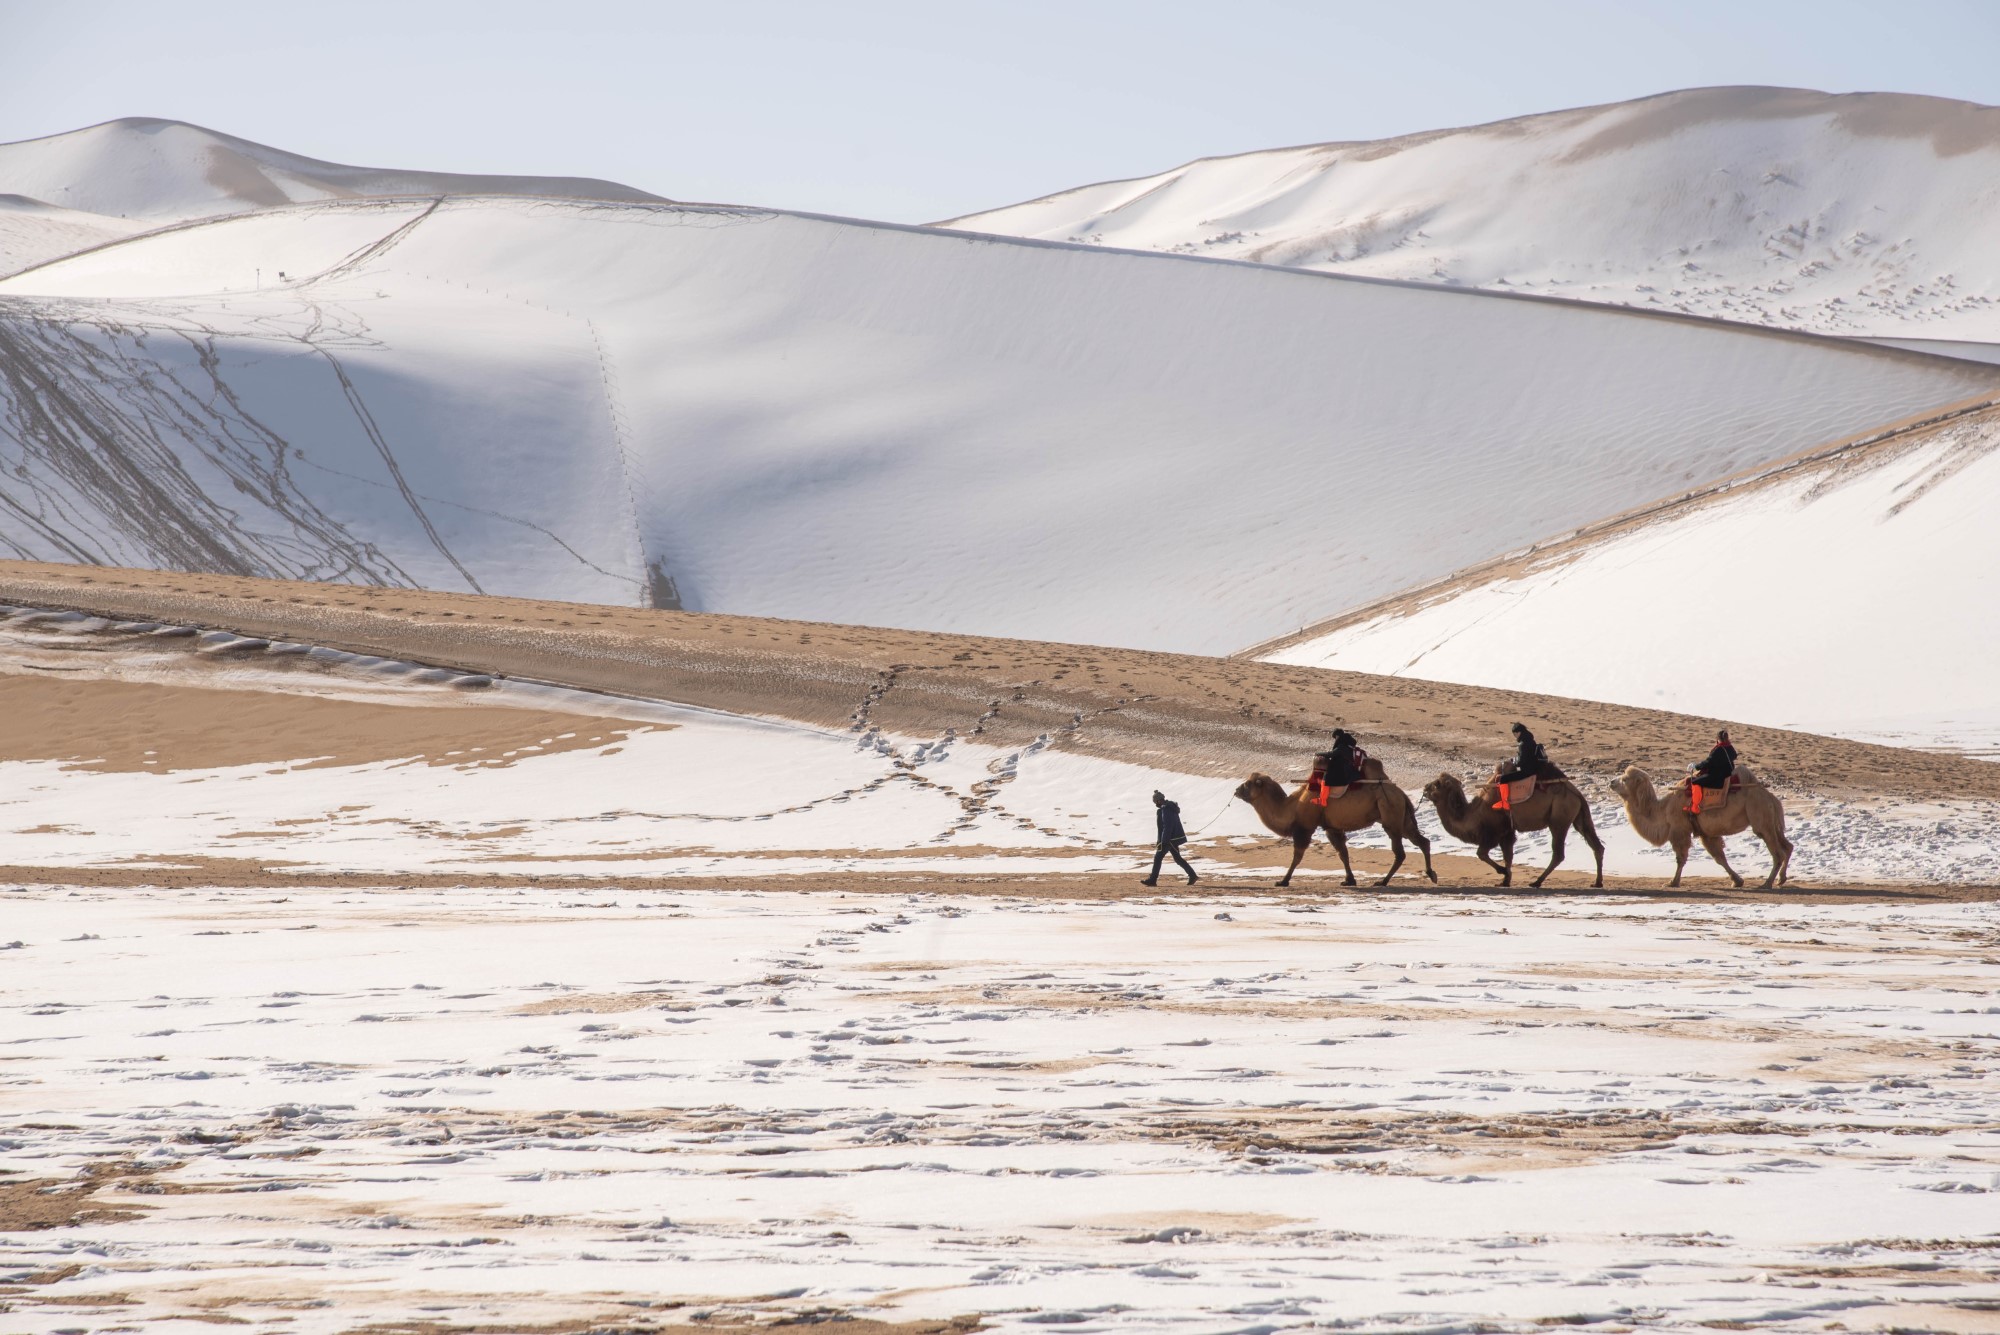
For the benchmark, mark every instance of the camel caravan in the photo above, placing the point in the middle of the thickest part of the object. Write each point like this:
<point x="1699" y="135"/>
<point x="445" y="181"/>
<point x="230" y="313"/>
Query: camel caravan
<point x="1349" y="791"/>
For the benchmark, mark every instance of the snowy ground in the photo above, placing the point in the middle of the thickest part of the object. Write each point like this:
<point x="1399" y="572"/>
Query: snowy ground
<point x="335" y="1107"/>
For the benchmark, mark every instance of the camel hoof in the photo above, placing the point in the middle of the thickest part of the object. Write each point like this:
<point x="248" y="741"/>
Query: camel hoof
<point x="1379" y="884"/>
<point x="1350" y="882"/>
<point x="1433" y="875"/>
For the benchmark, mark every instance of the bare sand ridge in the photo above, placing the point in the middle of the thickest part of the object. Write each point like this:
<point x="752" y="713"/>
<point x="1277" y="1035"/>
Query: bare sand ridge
<point x="109" y="725"/>
<point x="1201" y="716"/>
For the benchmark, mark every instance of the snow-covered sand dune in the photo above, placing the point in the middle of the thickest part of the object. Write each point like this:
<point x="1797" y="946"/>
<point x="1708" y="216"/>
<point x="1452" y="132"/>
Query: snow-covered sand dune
<point x="1863" y="213"/>
<point x="32" y="232"/>
<point x="1849" y="595"/>
<point x="775" y="414"/>
<point x="123" y="175"/>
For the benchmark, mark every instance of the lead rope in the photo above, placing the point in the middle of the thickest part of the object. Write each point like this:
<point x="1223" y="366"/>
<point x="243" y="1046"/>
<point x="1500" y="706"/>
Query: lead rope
<point x="1217" y="816"/>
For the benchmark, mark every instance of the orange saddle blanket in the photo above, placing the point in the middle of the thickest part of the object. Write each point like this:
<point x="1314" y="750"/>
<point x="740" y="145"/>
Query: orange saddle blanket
<point x="1520" y="790"/>
<point x="1697" y="794"/>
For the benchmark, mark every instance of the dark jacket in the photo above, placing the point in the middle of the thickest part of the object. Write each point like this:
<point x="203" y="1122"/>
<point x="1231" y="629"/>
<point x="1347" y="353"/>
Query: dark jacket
<point x="1530" y="759"/>
<point x="1715" y="771"/>
<point x="1170" y="824"/>
<point x="1340" y="761"/>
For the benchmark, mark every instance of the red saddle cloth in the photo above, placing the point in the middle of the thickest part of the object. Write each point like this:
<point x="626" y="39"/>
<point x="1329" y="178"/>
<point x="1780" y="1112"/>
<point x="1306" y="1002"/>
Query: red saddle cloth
<point x="1696" y="793"/>
<point x="1520" y="790"/>
<point x="1318" y="789"/>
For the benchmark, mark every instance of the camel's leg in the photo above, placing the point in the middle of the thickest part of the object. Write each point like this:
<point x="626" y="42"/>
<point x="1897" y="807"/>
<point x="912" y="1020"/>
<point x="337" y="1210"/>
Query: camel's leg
<point x="1558" y="837"/>
<point x="1588" y="829"/>
<point x="1299" y="842"/>
<point x="1486" y="856"/>
<point x="1713" y="843"/>
<point x="1423" y="846"/>
<point x="1415" y="834"/>
<point x="1507" y="852"/>
<point x="1785" y="872"/>
<point x="1681" y="844"/>
<point x="1339" y="842"/>
<point x="1396" y="847"/>
<point x="1781" y="856"/>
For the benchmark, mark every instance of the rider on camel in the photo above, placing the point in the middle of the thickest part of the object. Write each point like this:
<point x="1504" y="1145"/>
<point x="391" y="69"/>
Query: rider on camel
<point x="1530" y="761"/>
<point x="1713" y="772"/>
<point x="1341" y="767"/>
<point x="1334" y="770"/>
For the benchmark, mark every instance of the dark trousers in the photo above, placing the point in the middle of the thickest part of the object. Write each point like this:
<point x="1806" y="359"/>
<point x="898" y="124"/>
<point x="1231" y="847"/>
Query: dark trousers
<point x="1161" y="854"/>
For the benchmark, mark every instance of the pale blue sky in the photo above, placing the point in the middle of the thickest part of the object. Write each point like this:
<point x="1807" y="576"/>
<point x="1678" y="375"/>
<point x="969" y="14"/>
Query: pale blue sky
<point x="915" y="110"/>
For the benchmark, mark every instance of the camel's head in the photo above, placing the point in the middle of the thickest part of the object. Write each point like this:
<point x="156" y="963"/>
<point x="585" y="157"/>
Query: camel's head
<point x="1443" y="783"/>
<point x="1631" y="782"/>
<point x="1255" y="786"/>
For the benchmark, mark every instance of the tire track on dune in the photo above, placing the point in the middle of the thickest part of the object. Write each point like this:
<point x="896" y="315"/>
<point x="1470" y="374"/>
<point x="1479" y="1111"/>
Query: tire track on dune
<point x="95" y="421"/>
<point x="377" y="248"/>
<point x="115" y="443"/>
<point x="373" y="431"/>
<point x="657" y="587"/>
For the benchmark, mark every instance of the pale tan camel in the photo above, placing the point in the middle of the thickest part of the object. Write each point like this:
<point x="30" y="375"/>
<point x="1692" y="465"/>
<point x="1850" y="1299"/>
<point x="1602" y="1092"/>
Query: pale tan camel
<point x="1557" y="806"/>
<point x="1662" y="818"/>
<point x="1371" y="801"/>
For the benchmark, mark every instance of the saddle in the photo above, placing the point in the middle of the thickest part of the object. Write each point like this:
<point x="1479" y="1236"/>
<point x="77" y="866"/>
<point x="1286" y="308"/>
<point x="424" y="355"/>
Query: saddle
<point x="1696" y="794"/>
<point x="1318" y="790"/>
<point x="1518" y="790"/>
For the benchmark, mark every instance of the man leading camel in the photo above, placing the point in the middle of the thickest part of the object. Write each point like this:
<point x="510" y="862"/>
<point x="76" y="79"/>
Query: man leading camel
<point x="1171" y="837"/>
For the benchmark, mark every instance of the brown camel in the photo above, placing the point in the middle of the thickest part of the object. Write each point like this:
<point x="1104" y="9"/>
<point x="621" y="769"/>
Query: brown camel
<point x="1371" y="801"/>
<point x="1662" y="818"/>
<point x="1557" y="806"/>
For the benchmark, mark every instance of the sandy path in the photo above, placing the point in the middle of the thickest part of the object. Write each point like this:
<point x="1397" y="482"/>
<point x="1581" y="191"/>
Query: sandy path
<point x="1244" y="875"/>
<point x="1202" y="716"/>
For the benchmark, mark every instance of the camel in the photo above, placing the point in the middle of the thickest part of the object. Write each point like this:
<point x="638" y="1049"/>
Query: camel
<point x="1663" y="819"/>
<point x="1372" y="801"/>
<point x="1555" y="807"/>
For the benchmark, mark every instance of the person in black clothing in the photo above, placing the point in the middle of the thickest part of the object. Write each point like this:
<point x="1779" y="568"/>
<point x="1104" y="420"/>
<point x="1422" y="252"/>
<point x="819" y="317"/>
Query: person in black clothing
<point x="1171" y="837"/>
<point x="1340" y="767"/>
<point x="1529" y="761"/>
<point x="1714" y="772"/>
